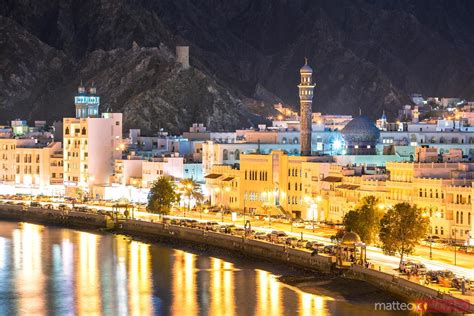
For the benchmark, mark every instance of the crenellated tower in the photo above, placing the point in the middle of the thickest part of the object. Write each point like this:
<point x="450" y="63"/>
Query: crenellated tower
<point x="306" y="88"/>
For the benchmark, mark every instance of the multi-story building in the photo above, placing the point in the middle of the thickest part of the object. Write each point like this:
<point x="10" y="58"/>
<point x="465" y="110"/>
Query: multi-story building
<point x="8" y="157"/>
<point x="128" y="172"/>
<point x="38" y="167"/>
<point x="91" y="143"/>
<point x="157" y="167"/>
<point x="312" y="188"/>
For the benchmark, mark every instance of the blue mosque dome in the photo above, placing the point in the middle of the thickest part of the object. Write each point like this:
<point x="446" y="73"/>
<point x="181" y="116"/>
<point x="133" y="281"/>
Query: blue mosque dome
<point x="361" y="136"/>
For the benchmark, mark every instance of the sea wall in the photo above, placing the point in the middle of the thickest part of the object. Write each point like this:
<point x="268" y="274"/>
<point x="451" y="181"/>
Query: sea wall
<point x="246" y="246"/>
<point x="54" y="217"/>
<point x="408" y="290"/>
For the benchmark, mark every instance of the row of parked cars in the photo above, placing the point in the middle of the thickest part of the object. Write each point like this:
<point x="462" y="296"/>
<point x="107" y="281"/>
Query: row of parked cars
<point x="444" y="278"/>
<point x="276" y="237"/>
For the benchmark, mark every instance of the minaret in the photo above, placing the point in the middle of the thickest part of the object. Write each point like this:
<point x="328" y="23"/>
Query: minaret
<point x="87" y="102"/>
<point x="306" y="87"/>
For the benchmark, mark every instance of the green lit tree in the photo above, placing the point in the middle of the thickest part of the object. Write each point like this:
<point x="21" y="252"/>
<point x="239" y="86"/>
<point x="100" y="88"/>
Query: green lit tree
<point x="401" y="228"/>
<point x="365" y="219"/>
<point x="161" y="197"/>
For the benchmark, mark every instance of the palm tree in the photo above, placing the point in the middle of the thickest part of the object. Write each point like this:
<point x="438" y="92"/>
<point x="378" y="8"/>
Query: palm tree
<point x="191" y="189"/>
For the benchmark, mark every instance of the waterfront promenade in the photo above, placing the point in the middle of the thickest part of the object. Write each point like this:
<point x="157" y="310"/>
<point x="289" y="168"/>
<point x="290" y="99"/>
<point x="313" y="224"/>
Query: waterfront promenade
<point x="252" y="247"/>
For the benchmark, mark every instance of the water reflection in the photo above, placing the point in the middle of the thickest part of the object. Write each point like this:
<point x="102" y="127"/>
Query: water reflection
<point x="58" y="271"/>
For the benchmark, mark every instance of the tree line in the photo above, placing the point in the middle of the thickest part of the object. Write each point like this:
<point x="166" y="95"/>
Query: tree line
<point x="397" y="229"/>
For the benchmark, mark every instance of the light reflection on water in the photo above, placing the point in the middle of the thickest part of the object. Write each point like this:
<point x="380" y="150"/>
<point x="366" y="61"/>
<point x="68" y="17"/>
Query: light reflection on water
<point x="65" y="272"/>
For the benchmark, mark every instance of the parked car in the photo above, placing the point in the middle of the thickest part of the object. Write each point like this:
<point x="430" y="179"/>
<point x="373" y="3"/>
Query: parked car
<point x="445" y="277"/>
<point x="227" y="229"/>
<point x="329" y="249"/>
<point x="212" y="226"/>
<point x="432" y="276"/>
<point x="291" y="241"/>
<point x="298" y="223"/>
<point x="202" y="225"/>
<point x="413" y="267"/>
<point x="260" y="235"/>
<point x="175" y="221"/>
<point x="278" y="236"/>
<point x="301" y="243"/>
<point x="310" y="225"/>
<point x="192" y="223"/>
<point x="238" y="232"/>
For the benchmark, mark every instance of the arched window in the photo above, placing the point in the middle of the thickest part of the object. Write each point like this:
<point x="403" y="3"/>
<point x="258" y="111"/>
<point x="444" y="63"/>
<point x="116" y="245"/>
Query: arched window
<point x="457" y="217"/>
<point x="225" y="154"/>
<point x="83" y="131"/>
<point x="67" y="131"/>
<point x="283" y="140"/>
<point x="237" y="154"/>
<point x="461" y="217"/>
<point x="295" y="140"/>
<point x="469" y="218"/>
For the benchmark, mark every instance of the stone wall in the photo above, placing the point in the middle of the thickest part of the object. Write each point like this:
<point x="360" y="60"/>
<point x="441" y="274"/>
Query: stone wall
<point x="251" y="247"/>
<point x="53" y="217"/>
<point x="410" y="291"/>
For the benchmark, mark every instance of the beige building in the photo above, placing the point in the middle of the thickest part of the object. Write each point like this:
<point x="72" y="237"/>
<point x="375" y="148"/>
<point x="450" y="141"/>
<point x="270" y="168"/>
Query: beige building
<point x="8" y="148"/>
<point x="91" y="145"/>
<point x="35" y="167"/>
<point x="308" y="187"/>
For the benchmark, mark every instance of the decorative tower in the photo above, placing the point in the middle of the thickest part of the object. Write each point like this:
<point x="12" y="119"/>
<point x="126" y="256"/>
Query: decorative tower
<point x="87" y="103"/>
<point x="306" y="87"/>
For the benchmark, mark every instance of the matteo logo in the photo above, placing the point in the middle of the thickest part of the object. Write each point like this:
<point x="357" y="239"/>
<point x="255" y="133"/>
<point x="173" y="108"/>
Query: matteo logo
<point x="86" y="100"/>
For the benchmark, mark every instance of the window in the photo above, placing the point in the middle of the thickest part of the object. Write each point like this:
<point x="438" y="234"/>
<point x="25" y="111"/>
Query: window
<point x="83" y="131"/>
<point x="442" y="230"/>
<point x="67" y="131"/>
<point x="225" y="154"/>
<point x="237" y="155"/>
<point x="117" y="123"/>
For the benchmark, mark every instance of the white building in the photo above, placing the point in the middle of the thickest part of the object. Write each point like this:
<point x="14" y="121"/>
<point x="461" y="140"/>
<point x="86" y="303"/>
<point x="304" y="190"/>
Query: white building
<point x="91" y="143"/>
<point x="158" y="167"/>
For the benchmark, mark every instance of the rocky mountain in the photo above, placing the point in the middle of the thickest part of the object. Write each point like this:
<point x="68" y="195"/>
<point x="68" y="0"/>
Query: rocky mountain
<point x="245" y="55"/>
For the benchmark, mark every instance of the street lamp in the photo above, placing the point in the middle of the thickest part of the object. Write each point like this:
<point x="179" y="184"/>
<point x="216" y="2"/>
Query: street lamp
<point x="455" y="230"/>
